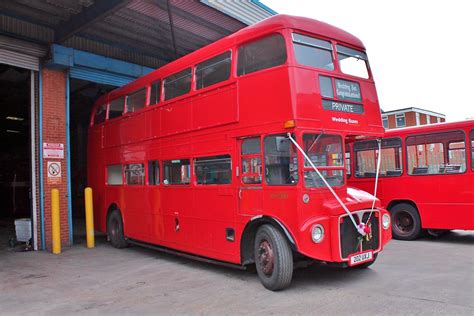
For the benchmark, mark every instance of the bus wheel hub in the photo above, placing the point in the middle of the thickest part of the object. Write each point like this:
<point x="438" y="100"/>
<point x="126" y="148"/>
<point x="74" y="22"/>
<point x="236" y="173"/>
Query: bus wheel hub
<point x="265" y="257"/>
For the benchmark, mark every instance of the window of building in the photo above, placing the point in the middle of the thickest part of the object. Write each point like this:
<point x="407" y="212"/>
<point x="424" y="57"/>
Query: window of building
<point x="154" y="172"/>
<point x="100" y="114"/>
<point x="114" y="175"/>
<point x="385" y="122"/>
<point x="262" y="54"/>
<point x="136" y="101"/>
<point x="325" y="152"/>
<point x="352" y="62"/>
<point x="439" y="153"/>
<point x="428" y="119"/>
<point x="366" y="154"/>
<point x="213" y="170"/>
<point x="251" y="161"/>
<point x="313" y="52"/>
<point x="116" y="107"/>
<point x="178" y="84"/>
<point x="176" y="171"/>
<point x="417" y="115"/>
<point x="135" y="174"/>
<point x="281" y="161"/>
<point x="400" y="120"/>
<point x="155" y="92"/>
<point x="213" y="71"/>
<point x="438" y="119"/>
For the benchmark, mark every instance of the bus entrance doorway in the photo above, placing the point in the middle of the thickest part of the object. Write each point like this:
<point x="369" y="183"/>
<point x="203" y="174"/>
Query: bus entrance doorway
<point x="82" y="95"/>
<point x="15" y="154"/>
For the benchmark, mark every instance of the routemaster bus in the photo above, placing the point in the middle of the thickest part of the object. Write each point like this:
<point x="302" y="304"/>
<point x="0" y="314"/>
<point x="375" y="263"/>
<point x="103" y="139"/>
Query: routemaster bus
<point x="426" y="176"/>
<point x="234" y="153"/>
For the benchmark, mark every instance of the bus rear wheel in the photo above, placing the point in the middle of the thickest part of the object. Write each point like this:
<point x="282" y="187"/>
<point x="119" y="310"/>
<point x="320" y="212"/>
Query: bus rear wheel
<point x="115" y="230"/>
<point x="406" y="223"/>
<point x="273" y="258"/>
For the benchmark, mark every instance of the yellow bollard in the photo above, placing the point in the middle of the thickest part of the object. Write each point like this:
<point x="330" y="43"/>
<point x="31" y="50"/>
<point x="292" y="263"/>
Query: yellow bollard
<point x="89" y="218"/>
<point x="56" y="229"/>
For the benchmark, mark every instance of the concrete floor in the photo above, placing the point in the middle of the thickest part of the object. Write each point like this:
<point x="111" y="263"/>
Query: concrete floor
<point x="428" y="276"/>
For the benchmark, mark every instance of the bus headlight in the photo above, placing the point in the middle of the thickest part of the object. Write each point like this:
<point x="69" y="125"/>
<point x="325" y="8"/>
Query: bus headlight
<point x="386" y="221"/>
<point x="317" y="233"/>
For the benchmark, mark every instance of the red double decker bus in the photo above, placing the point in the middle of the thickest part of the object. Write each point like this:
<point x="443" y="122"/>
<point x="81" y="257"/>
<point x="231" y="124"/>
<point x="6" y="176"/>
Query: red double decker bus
<point x="235" y="152"/>
<point x="426" y="177"/>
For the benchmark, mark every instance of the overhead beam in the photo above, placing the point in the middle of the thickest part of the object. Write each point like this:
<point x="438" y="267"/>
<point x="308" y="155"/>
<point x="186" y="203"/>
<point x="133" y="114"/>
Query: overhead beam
<point x="96" y="12"/>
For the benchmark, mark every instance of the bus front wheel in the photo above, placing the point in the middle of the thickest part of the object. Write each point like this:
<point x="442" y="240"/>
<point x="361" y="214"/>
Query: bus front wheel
<point x="273" y="258"/>
<point x="115" y="230"/>
<point x="406" y="223"/>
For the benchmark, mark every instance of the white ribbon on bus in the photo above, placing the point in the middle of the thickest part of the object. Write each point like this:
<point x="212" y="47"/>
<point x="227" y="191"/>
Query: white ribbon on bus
<point x="361" y="226"/>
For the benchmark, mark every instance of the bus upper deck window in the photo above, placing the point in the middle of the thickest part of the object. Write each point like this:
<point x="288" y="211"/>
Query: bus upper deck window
<point x="262" y="54"/>
<point x="177" y="84"/>
<point x="313" y="52"/>
<point x="136" y="100"/>
<point x="213" y="71"/>
<point x="155" y="92"/>
<point x="100" y="114"/>
<point x="116" y="107"/>
<point x="352" y="62"/>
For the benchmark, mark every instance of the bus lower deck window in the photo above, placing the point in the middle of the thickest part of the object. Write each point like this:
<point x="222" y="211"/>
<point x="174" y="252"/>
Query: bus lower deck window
<point x="154" y="172"/>
<point x="114" y="175"/>
<point x="135" y="174"/>
<point x="213" y="170"/>
<point x="281" y="161"/>
<point x="176" y="171"/>
<point x="366" y="155"/>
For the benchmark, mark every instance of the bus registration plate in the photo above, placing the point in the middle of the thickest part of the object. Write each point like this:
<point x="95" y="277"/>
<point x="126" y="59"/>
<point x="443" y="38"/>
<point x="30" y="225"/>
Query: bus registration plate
<point x="361" y="258"/>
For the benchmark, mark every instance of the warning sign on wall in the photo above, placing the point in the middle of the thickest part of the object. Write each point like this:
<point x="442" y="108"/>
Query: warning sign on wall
<point x="54" y="172"/>
<point x="53" y="151"/>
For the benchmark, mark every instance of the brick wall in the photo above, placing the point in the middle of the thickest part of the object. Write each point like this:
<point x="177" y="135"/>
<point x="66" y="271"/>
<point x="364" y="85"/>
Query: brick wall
<point x="54" y="131"/>
<point x="391" y="121"/>
<point x="410" y="119"/>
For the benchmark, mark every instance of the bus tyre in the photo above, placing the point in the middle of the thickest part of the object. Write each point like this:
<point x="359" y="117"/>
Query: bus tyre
<point x="406" y="223"/>
<point x="115" y="230"/>
<point x="273" y="258"/>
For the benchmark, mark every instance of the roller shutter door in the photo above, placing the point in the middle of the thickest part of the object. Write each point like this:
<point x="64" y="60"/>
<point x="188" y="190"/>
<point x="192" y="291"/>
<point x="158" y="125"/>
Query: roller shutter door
<point x="21" y="54"/>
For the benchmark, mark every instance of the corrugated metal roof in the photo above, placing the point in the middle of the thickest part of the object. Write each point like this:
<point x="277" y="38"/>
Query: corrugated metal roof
<point x="133" y="30"/>
<point x="246" y="11"/>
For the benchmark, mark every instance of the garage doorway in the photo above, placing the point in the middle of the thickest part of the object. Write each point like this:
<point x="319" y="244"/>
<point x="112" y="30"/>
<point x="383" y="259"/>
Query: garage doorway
<point x="82" y="94"/>
<point x="16" y="191"/>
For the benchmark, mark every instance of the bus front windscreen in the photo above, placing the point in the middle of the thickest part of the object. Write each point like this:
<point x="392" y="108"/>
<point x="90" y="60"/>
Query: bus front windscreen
<point x="325" y="152"/>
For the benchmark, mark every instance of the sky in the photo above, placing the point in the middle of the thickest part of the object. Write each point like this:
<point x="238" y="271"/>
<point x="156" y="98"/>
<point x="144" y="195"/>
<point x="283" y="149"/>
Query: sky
<point x="418" y="50"/>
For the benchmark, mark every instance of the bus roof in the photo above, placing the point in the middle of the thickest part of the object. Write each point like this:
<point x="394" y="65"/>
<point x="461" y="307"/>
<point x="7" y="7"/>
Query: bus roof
<point x="266" y="26"/>
<point x="429" y="128"/>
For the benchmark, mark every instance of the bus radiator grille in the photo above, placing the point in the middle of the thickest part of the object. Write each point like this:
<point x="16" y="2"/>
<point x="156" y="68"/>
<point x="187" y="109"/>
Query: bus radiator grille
<point x="349" y="237"/>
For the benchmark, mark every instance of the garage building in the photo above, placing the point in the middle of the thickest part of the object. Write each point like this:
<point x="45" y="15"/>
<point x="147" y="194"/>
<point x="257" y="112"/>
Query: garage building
<point x="56" y="58"/>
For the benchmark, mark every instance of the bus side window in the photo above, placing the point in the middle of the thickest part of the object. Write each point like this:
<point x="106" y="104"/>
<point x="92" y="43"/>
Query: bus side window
<point x="100" y="114"/>
<point x="155" y="92"/>
<point x="281" y="161"/>
<point x="348" y="161"/>
<point x="176" y="171"/>
<point x="116" y="107"/>
<point x="213" y="71"/>
<point x="251" y="161"/>
<point x="114" y="175"/>
<point x="154" y="172"/>
<point x="213" y="170"/>
<point x="136" y="100"/>
<point x="365" y="153"/>
<point x="440" y="153"/>
<point x="177" y="84"/>
<point x="262" y="54"/>
<point x="135" y="174"/>
<point x="471" y="136"/>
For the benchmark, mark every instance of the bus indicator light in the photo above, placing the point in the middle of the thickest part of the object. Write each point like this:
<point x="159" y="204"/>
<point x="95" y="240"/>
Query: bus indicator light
<point x="290" y="124"/>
